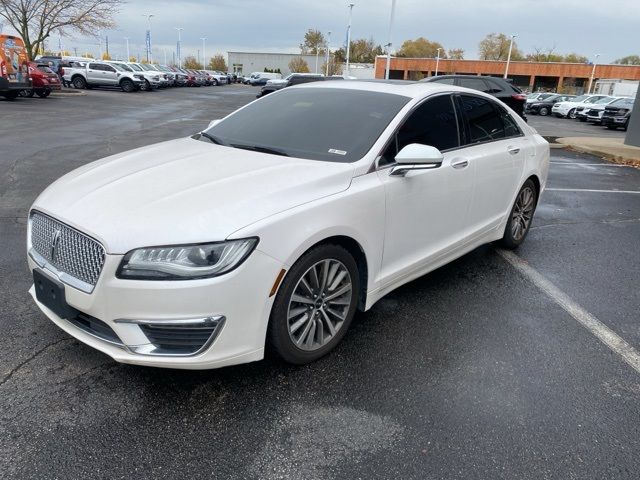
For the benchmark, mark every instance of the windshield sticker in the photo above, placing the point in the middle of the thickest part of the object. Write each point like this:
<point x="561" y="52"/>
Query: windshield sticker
<point x="337" y="152"/>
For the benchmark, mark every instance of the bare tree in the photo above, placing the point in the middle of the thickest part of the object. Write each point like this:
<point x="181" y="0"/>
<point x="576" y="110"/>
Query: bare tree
<point x="36" y="20"/>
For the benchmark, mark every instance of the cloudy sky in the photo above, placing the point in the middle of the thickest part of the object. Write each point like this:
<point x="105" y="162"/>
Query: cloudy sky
<point x="611" y="28"/>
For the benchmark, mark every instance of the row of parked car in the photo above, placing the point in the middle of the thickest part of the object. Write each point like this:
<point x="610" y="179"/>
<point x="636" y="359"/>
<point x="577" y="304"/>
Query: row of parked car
<point x="129" y="76"/>
<point x="610" y="111"/>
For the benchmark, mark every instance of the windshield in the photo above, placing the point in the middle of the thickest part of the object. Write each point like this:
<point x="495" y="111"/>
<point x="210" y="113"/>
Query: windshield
<point x="581" y="98"/>
<point x="44" y="68"/>
<point x="623" y="102"/>
<point x="604" y="100"/>
<point x="548" y="97"/>
<point x="330" y="124"/>
<point x="119" y="67"/>
<point x="146" y="67"/>
<point x="135" y="67"/>
<point x="544" y="96"/>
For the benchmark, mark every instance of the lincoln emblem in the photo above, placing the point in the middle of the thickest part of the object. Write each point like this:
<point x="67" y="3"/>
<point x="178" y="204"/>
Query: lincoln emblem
<point x="54" y="244"/>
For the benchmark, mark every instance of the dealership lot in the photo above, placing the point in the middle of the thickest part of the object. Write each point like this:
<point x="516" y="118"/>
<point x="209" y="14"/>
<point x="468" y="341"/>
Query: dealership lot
<point x="472" y="371"/>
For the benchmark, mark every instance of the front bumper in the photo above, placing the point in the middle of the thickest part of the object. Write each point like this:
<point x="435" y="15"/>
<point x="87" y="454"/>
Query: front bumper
<point x="619" y="120"/>
<point x="125" y="306"/>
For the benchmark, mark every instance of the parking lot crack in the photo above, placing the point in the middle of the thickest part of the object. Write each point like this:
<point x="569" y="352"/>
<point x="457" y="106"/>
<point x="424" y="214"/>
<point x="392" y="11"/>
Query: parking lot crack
<point x="11" y="372"/>
<point x="595" y="222"/>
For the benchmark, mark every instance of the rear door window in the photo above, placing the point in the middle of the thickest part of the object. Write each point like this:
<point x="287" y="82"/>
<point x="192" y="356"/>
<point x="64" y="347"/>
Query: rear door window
<point x="483" y="119"/>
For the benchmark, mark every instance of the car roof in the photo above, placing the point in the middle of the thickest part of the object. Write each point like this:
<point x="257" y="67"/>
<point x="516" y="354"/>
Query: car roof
<point x="412" y="89"/>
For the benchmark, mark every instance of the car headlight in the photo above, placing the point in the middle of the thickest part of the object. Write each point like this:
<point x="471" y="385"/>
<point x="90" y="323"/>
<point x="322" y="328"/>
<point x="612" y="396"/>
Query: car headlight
<point x="185" y="262"/>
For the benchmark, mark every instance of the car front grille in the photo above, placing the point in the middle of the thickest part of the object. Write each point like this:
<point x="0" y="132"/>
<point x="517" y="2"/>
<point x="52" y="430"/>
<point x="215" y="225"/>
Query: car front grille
<point x="95" y="327"/>
<point x="65" y="248"/>
<point x="181" y="339"/>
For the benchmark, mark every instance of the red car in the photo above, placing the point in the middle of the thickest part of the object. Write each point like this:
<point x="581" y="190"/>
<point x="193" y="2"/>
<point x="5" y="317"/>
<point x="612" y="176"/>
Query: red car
<point x="44" y="80"/>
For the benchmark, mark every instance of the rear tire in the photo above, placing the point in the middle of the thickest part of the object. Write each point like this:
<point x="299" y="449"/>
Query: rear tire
<point x="520" y="216"/>
<point x="308" y="319"/>
<point x="79" y="82"/>
<point x="127" y="85"/>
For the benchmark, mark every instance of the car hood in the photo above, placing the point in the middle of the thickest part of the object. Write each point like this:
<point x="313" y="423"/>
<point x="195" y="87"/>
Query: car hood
<point x="184" y="191"/>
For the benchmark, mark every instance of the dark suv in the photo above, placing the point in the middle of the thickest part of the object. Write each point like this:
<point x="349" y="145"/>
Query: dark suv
<point x="293" y="79"/>
<point x="617" y="113"/>
<point x="498" y="87"/>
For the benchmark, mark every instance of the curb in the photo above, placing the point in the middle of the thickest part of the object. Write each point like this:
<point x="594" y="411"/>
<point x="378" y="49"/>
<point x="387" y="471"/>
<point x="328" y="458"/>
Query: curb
<point x="76" y="93"/>
<point x="619" y="159"/>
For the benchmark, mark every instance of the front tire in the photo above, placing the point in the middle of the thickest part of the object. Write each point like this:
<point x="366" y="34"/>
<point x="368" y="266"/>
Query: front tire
<point x="544" y="111"/>
<point x="127" y="85"/>
<point x="572" y="114"/>
<point x="314" y="305"/>
<point x="521" y="216"/>
<point x="43" y="93"/>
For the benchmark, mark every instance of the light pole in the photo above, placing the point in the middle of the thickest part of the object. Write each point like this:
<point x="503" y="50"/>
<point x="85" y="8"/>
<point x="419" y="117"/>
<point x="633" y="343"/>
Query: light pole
<point x="148" y="40"/>
<point x="128" y="54"/>
<point x="506" y="70"/>
<point x="593" y="72"/>
<point x="349" y="37"/>
<point x="437" y="62"/>
<point x="388" y="66"/>
<point x="204" y="55"/>
<point x="179" y="29"/>
<point x="328" y="53"/>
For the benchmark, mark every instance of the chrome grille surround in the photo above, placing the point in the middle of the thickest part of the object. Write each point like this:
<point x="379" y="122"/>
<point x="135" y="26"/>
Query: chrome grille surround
<point x="74" y="257"/>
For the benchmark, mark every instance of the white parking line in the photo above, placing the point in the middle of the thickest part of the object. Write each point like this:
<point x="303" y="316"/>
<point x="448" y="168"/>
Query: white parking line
<point x="592" y="164"/>
<point x="588" y="321"/>
<point x="589" y="190"/>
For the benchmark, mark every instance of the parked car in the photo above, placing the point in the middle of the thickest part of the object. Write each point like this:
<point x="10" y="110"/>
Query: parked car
<point x="538" y="97"/>
<point x="14" y="67"/>
<point x="151" y="77"/>
<point x="171" y="75"/>
<point x="543" y="107"/>
<point x="261" y="78"/>
<point x="617" y="113"/>
<point x="182" y="78"/>
<point x="271" y="234"/>
<point x="582" y="110"/>
<point x="217" y="78"/>
<point x="96" y="73"/>
<point x="44" y="80"/>
<point x="162" y="77"/>
<point x="571" y="108"/>
<point x="291" y="79"/>
<point x="498" y="87"/>
<point x="595" y="110"/>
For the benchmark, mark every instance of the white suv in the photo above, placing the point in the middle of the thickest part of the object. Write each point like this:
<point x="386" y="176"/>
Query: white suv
<point x="569" y="109"/>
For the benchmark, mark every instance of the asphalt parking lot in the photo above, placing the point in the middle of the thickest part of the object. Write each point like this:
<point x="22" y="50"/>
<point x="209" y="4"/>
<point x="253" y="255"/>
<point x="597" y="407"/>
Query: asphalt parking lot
<point x="551" y="126"/>
<point x="473" y="371"/>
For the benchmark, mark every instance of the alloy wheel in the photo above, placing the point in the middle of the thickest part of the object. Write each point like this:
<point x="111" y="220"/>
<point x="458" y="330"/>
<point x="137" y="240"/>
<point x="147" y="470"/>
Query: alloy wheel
<point x="522" y="213"/>
<point x="319" y="304"/>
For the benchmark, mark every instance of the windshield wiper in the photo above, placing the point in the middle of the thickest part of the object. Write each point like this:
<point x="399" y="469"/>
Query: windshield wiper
<point x="212" y="138"/>
<point x="258" y="148"/>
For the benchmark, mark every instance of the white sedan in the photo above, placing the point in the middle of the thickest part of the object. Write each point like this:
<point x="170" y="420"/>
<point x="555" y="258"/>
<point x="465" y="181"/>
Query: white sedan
<point x="270" y="228"/>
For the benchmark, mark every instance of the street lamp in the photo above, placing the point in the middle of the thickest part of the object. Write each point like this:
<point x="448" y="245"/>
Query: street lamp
<point x="506" y="70"/>
<point x="349" y="37"/>
<point x="328" y="54"/>
<point x="179" y="29"/>
<point x="593" y="72"/>
<point x="128" y="55"/>
<point x="438" y="62"/>
<point x="204" y="55"/>
<point x="386" y="70"/>
<point x="148" y="40"/>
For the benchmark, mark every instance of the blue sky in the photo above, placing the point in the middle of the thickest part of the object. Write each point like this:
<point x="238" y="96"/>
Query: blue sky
<point x="587" y="27"/>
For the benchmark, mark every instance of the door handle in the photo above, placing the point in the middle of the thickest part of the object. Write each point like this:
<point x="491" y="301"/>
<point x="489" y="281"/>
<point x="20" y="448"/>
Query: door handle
<point x="460" y="164"/>
<point x="513" y="150"/>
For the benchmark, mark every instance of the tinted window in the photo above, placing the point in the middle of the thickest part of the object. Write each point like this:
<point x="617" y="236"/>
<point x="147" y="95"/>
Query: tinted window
<point x="446" y="81"/>
<point x="482" y="118"/>
<point x="331" y="124"/>
<point x="494" y="87"/>
<point x="511" y="128"/>
<point x="474" y="83"/>
<point x="432" y="123"/>
<point x="108" y="68"/>
<point x="95" y="66"/>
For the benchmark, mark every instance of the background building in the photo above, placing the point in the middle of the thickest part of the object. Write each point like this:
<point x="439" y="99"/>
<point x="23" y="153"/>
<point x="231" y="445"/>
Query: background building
<point x="247" y="62"/>
<point x="532" y="76"/>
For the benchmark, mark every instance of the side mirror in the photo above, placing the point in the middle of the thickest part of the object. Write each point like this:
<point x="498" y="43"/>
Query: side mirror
<point x="416" y="157"/>
<point x="213" y="123"/>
